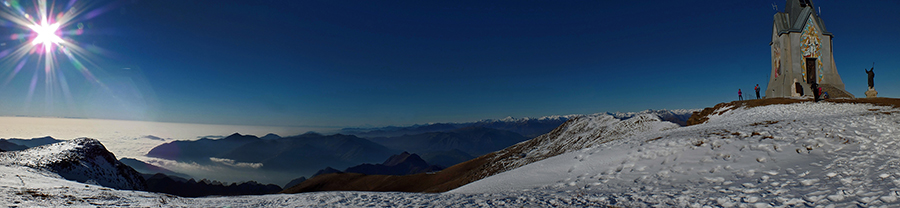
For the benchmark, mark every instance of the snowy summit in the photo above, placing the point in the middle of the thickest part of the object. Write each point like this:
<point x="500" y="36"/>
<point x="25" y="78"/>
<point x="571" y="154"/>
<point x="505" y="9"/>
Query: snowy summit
<point x="780" y="155"/>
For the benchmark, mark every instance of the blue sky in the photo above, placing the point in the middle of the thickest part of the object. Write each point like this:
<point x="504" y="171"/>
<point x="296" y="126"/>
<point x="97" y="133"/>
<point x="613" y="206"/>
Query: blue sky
<point x="376" y="63"/>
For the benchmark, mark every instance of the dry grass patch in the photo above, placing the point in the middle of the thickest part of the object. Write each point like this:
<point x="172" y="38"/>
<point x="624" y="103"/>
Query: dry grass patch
<point x="702" y="116"/>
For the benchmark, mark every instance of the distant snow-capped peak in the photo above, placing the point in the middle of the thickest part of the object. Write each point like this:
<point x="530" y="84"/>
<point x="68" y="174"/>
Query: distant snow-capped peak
<point x="511" y="119"/>
<point x="662" y="113"/>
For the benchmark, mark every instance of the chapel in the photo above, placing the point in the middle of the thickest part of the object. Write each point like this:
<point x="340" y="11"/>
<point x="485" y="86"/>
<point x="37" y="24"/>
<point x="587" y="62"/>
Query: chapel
<point x="802" y="54"/>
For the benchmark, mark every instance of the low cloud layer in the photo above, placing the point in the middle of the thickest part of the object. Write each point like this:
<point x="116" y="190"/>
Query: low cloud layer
<point x="232" y="163"/>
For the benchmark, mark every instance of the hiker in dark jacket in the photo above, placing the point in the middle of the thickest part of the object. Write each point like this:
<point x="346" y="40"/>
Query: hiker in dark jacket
<point x="757" y="91"/>
<point x="815" y="91"/>
<point x="740" y="95"/>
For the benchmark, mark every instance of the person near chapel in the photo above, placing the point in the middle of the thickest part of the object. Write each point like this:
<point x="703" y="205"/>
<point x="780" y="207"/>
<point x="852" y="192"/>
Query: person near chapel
<point x="740" y="96"/>
<point x="815" y="91"/>
<point x="757" y="91"/>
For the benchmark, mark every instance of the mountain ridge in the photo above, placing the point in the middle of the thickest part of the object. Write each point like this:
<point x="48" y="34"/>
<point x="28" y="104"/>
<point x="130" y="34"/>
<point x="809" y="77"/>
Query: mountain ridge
<point x="84" y="160"/>
<point x="574" y="134"/>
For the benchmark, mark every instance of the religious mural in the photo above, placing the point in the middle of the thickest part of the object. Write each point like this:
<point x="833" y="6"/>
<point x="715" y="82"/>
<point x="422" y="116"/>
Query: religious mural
<point x="809" y="47"/>
<point x="776" y="59"/>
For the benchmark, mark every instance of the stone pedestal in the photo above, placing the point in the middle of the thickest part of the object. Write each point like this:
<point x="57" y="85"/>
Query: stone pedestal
<point x="871" y="93"/>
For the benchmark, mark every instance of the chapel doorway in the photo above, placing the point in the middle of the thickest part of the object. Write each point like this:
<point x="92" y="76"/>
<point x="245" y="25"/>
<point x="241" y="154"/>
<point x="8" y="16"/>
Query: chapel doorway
<point x="810" y="70"/>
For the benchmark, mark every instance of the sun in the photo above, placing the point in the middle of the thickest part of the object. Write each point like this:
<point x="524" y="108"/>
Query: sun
<point x="46" y="35"/>
<point x="43" y="37"/>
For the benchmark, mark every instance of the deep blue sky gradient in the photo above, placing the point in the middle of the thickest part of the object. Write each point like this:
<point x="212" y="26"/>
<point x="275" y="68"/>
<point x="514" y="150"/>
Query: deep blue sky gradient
<point x="376" y="63"/>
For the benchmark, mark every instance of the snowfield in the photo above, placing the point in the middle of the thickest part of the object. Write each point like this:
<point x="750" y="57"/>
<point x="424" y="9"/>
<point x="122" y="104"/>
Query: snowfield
<point x="804" y="154"/>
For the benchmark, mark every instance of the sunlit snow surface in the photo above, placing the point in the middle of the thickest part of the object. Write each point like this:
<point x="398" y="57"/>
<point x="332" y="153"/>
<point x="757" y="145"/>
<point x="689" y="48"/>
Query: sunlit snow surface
<point x="39" y="190"/>
<point x="782" y="155"/>
<point x="807" y="154"/>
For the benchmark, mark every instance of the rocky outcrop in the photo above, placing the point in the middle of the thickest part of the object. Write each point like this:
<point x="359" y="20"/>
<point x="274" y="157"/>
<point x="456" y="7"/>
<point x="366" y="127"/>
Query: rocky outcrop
<point x="84" y="160"/>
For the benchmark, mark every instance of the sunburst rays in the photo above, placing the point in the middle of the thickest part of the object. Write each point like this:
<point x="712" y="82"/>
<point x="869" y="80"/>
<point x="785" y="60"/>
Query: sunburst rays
<point x="45" y="32"/>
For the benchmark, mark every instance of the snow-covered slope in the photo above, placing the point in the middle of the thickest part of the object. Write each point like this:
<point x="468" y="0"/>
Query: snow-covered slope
<point x="575" y="134"/>
<point x="806" y="154"/>
<point x="803" y="154"/>
<point x="22" y="186"/>
<point x="678" y="116"/>
<point x="83" y="160"/>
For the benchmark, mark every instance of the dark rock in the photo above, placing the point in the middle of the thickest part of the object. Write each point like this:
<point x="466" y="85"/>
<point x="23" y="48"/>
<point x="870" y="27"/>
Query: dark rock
<point x="84" y="160"/>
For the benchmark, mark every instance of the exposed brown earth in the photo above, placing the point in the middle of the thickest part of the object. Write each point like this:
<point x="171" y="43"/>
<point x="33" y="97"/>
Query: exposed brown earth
<point x="445" y="180"/>
<point x="702" y="116"/>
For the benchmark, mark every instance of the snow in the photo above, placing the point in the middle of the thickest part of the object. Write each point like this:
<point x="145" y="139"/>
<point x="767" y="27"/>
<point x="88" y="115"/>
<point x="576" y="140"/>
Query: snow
<point x="82" y="159"/>
<point x="526" y="119"/>
<point x="779" y="155"/>
<point x="660" y="113"/>
<point x="804" y="154"/>
<point x="26" y="187"/>
<point x="575" y="134"/>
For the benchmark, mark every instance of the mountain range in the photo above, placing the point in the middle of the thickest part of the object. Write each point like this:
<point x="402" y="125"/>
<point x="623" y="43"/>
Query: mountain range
<point x="302" y="154"/>
<point x="402" y="164"/>
<point x="450" y="147"/>
<point x="21" y="144"/>
<point x="575" y="134"/>
<point x="528" y="127"/>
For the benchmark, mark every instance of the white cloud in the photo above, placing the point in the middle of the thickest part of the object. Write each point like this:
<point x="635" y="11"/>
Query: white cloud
<point x="230" y="162"/>
<point x="178" y="166"/>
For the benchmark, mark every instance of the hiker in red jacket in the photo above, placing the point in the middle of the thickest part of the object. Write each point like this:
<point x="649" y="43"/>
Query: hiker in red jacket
<point x="740" y="95"/>
<point x="757" y="91"/>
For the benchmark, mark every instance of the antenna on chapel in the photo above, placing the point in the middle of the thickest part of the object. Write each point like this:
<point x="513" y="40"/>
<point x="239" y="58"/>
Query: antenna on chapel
<point x="774" y="6"/>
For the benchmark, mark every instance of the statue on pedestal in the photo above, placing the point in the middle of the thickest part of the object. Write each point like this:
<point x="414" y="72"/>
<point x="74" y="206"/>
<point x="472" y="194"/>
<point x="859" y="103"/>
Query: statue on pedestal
<point x="871" y="92"/>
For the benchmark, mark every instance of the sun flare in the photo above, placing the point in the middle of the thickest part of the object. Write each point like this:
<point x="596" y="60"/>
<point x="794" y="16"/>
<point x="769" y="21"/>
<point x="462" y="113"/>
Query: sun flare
<point x="46" y="41"/>
<point x="46" y="35"/>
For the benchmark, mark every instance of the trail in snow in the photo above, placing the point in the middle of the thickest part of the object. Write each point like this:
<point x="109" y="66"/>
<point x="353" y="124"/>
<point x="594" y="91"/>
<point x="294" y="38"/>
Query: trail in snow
<point x="780" y="155"/>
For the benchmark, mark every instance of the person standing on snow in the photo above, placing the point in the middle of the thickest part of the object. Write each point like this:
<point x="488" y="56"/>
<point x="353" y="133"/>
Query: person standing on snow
<point x="740" y="96"/>
<point x="757" y="91"/>
<point x="815" y="91"/>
